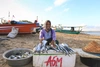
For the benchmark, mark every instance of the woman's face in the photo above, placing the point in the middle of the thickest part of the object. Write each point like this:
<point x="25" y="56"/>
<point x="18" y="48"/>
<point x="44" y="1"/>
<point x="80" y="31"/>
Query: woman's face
<point x="48" y="26"/>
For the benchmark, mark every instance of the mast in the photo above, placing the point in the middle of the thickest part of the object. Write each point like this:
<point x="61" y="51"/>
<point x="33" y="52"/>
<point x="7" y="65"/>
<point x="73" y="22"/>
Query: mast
<point x="37" y="18"/>
<point x="9" y="16"/>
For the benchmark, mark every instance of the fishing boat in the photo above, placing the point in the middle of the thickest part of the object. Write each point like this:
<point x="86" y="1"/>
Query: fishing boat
<point x="68" y="31"/>
<point x="24" y="28"/>
<point x="71" y="29"/>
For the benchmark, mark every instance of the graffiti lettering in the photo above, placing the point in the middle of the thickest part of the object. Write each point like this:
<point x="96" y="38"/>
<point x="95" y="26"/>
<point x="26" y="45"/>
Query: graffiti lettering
<point x="53" y="61"/>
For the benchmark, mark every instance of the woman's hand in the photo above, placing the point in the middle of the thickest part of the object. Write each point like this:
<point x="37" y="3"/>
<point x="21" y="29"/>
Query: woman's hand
<point x="52" y="43"/>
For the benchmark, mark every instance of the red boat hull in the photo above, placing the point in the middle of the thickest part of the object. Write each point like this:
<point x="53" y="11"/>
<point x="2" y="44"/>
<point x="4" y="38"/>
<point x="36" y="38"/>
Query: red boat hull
<point x="23" y="28"/>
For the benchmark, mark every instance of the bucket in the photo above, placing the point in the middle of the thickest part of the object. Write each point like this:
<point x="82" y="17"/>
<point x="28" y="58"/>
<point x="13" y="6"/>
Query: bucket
<point x="17" y="62"/>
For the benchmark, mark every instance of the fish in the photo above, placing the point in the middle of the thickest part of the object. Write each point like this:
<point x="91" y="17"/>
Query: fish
<point x="68" y="49"/>
<point x="65" y="51"/>
<point x="58" y="47"/>
<point x="63" y="48"/>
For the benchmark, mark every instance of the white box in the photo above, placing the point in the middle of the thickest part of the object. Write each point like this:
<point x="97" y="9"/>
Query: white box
<point x="54" y="59"/>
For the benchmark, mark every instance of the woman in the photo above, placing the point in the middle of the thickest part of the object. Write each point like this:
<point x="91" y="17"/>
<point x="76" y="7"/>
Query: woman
<point x="48" y="34"/>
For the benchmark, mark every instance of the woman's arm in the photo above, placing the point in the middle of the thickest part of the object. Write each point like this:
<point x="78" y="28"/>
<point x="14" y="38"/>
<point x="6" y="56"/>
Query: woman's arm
<point x="53" y="35"/>
<point x="53" y="38"/>
<point x="41" y="37"/>
<point x="41" y="40"/>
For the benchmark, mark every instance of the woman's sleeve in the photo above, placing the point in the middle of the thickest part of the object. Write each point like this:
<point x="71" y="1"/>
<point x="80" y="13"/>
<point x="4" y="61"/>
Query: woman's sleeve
<point x="54" y="35"/>
<point x="41" y="34"/>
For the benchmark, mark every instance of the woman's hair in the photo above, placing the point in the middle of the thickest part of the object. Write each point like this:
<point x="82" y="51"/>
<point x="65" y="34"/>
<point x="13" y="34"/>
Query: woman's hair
<point x="47" y="21"/>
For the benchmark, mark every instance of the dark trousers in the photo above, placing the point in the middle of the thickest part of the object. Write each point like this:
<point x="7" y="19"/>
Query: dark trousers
<point x="48" y="41"/>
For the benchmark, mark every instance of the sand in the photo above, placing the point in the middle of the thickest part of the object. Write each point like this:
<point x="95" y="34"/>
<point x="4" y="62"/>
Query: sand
<point x="30" y="40"/>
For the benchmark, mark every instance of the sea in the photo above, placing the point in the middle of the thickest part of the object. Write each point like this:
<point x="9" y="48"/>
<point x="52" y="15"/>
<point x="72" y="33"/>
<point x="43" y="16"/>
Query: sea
<point x="91" y="32"/>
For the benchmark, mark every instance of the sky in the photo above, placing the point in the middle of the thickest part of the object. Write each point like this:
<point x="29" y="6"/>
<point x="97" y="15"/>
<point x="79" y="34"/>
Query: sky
<point x="64" y="12"/>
